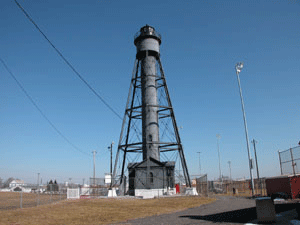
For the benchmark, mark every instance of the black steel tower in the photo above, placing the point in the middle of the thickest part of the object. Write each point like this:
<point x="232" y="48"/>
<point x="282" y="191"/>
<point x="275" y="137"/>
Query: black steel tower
<point x="149" y="130"/>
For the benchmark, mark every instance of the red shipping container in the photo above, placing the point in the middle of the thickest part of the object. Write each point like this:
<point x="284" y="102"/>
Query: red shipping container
<point x="295" y="186"/>
<point x="289" y="185"/>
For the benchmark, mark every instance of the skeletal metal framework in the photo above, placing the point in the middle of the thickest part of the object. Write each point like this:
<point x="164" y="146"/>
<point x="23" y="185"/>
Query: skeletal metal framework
<point x="149" y="128"/>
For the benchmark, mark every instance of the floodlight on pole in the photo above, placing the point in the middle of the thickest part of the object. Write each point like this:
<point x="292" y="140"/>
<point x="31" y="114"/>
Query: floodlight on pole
<point x="238" y="68"/>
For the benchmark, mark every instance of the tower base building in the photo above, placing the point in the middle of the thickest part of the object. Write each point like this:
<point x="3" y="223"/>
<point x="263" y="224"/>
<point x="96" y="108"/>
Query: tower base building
<point x="160" y="178"/>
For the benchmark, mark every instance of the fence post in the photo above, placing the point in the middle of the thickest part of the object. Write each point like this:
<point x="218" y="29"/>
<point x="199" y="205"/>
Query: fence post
<point x="38" y="197"/>
<point x="21" y="199"/>
<point x="280" y="162"/>
<point x="293" y="164"/>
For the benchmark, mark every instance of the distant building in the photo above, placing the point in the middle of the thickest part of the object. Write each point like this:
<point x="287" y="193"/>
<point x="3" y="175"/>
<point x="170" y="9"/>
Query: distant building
<point x="22" y="189"/>
<point x="107" y="178"/>
<point x="194" y="182"/>
<point x="16" y="183"/>
<point x="52" y="186"/>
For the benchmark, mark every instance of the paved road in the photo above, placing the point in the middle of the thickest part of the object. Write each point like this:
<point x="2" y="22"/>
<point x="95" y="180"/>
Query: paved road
<point x="226" y="210"/>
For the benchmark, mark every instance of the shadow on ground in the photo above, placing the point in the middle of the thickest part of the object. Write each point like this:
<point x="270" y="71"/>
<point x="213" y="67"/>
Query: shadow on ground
<point x="242" y="215"/>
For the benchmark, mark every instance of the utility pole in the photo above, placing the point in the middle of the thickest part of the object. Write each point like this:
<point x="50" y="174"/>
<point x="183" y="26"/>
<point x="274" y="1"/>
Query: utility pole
<point x="111" y="148"/>
<point x="38" y="189"/>
<point x="280" y="162"/>
<point x="94" y="171"/>
<point x="199" y="163"/>
<point x="200" y="181"/>
<point x="229" y="163"/>
<point x="220" y="172"/>
<point x="257" y="170"/>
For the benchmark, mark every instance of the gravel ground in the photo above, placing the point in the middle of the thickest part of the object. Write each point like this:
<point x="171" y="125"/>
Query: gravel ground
<point x="226" y="210"/>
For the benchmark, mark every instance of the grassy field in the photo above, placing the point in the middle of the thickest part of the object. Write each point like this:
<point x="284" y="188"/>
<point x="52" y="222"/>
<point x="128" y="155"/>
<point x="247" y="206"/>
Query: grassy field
<point x="98" y="211"/>
<point x="12" y="200"/>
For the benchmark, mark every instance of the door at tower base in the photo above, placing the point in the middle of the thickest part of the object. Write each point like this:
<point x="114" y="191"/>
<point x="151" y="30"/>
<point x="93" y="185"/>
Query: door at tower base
<point x="151" y="175"/>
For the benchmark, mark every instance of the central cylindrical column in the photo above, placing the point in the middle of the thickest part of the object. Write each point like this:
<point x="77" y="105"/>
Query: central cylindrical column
<point x="149" y="109"/>
<point x="147" y="42"/>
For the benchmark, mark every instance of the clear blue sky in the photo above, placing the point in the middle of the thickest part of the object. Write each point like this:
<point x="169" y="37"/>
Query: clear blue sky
<point x="201" y="43"/>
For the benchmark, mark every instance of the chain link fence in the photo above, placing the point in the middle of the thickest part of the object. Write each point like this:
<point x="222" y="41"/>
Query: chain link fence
<point x="20" y="199"/>
<point x="202" y="185"/>
<point x="99" y="187"/>
<point x="243" y="187"/>
<point x="205" y="187"/>
<point x="289" y="161"/>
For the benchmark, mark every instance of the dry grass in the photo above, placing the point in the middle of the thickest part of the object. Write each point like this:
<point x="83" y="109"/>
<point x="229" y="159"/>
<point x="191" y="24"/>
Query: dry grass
<point x="11" y="200"/>
<point x="98" y="211"/>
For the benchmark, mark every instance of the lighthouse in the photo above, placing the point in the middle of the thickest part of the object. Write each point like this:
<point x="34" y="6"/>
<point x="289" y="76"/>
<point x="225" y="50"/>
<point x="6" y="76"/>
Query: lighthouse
<point x="148" y="116"/>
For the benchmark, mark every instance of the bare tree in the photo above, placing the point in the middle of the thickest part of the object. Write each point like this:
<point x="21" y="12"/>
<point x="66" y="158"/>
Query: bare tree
<point x="7" y="182"/>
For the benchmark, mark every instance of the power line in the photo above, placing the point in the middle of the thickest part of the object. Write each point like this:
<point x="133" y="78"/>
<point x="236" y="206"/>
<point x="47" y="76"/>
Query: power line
<point x="70" y="65"/>
<point x="40" y="111"/>
<point x="67" y="62"/>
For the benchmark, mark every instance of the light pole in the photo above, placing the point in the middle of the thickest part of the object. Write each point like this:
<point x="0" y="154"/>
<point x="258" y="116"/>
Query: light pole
<point x="238" y="68"/>
<point x="219" y="155"/>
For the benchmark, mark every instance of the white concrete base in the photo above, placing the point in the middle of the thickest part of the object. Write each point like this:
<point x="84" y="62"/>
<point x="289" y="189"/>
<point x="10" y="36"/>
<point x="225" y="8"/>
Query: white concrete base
<point x="154" y="193"/>
<point x="191" y="191"/>
<point x="112" y="193"/>
<point x="73" y="193"/>
<point x="171" y="191"/>
<point x="265" y="209"/>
